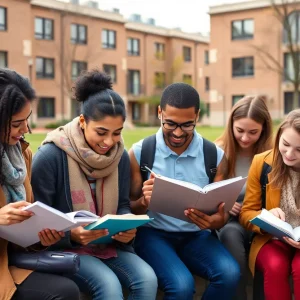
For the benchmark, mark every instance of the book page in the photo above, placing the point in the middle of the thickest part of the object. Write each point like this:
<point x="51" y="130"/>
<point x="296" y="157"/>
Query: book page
<point x="182" y="183"/>
<point x="297" y="233"/>
<point x="82" y="216"/>
<point x="215" y="185"/>
<point x="276" y="222"/>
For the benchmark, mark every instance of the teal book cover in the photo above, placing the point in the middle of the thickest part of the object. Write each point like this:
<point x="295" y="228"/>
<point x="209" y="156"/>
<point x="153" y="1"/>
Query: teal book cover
<point x="116" y="224"/>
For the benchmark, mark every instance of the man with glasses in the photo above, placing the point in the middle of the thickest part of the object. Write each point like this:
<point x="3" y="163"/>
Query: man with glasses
<point x="174" y="248"/>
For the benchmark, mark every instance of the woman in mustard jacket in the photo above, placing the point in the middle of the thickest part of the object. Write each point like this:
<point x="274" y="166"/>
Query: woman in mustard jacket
<point x="276" y="259"/>
<point x="16" y="95"/>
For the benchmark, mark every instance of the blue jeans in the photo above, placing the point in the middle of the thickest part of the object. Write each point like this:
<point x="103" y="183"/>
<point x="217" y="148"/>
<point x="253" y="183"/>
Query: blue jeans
<point x="175" y="256"/>
<point x="103" y="279"/>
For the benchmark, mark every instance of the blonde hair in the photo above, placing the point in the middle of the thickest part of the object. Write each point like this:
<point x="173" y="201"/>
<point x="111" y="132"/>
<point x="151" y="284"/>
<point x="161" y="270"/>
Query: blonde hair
<point x="255" y="108"/>
<point x="280" y="171"/>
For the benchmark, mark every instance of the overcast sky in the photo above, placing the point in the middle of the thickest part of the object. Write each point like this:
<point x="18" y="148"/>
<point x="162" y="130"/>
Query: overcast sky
<point x="189" y="15"/>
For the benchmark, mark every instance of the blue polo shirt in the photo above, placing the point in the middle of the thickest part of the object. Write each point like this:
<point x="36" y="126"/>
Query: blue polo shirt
<point x="189" y="166"/>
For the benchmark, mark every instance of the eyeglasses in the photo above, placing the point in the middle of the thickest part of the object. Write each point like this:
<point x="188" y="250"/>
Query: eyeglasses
<point x="173" y="125"/>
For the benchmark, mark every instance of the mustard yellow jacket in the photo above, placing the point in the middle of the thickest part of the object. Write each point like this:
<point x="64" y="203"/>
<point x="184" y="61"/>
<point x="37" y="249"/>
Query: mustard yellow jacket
<point x="252" y="203"/>
<point x="9" y="276"/>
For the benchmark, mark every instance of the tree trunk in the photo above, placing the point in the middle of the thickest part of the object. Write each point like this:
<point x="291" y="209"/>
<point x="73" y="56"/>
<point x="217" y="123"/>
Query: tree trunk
<point x="296" y="98"/>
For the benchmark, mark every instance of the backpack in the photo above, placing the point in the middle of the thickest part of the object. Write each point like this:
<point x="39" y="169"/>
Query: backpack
<point x="148" y="153"/>
<point x="263" y="182"/>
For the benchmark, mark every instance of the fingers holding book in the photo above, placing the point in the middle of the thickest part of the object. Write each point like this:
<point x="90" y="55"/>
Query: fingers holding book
<point x="84" y="237"/>
<point x="49" y="237"/>
<point x="12" y="213"/>
<point x="125" y="237"/>
<point x="204" y="221"/>
<point x="291" y="242"/>
<point x="278" y="212"/>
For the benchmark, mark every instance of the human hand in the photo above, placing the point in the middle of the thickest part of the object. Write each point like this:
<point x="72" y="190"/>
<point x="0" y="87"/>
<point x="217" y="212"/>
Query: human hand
<point x="291" y="242"/>
<point x="204" y="221"/>
<point x="277" y="212"/>
<point x="83" y="237"/>
<point x="147" y="190"/>
<point x="125" y="237"/>
<point x="49" y="237"/>
<point x="236" y="209"/>
<point x="12" y="213"/>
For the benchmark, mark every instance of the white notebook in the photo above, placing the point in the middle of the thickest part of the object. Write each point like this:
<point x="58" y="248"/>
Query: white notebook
<point x="26" y="232"/>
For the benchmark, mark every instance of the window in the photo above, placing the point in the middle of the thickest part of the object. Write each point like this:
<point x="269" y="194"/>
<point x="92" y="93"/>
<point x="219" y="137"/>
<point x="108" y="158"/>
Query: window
<point x="3" y="19"/>
<point x="242" y="29"/>
<point x="78" y="34"/>
<point x="77" y="68"/>
<point x="289" y="69"/>
<point x="187" y="54"/>
<point x="187" y="79"/>
<point x="133" y="47"/>
<point x="44" y="67"/>
<point x="3" y="59"/>
<point x="43" y="29"/>
<point x="46" y="108"/>
<point x="206" y="57"/>
<point x="243" y="66"/>
<point x="236" y="98"/>
<point x="111" y="70"/>
<point x="207" y="84"/>
<point x="136" y="111"/>
<point x="159" y="49"/>
<point x="293" y="26"/>
<point x="134" y="82"/>
<point x="109" y="39"/>
<point x="288" y="102"/>
<point x="160" y="80"/>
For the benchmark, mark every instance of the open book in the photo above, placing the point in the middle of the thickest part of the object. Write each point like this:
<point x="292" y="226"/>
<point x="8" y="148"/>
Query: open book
<point x="116" y="224"/>
<point x="171" y="196"/>
<point x="275" y="226"/>
<point x="26" y="232"/>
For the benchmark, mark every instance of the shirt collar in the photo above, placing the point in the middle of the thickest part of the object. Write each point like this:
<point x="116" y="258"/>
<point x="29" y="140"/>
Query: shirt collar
<point x="165" y="151"/>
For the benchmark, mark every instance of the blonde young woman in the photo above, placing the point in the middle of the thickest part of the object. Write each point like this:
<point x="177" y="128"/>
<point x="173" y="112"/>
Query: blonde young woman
<point x="248" y="132"/>
<point x="276" y="259"/>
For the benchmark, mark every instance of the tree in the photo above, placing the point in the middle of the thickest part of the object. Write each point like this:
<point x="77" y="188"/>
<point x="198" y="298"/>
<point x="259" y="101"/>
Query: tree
<point x="286" y="13"/>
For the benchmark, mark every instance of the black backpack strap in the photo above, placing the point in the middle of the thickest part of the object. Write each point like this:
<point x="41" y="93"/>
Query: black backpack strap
<point x="210" y="159"/>
<point x="263" y="182"/>
<point x="147" y="155"/>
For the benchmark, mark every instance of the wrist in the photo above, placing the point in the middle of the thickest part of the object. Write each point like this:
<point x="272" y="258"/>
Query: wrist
<point x="143" y="203"/>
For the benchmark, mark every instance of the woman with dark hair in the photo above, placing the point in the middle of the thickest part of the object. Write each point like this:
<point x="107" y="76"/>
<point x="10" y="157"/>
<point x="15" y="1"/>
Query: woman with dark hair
<point x="16" y="95"/>
<point x="276" y="259"/>
<point x="83" y="165"/>
<point x="248" y="132"/>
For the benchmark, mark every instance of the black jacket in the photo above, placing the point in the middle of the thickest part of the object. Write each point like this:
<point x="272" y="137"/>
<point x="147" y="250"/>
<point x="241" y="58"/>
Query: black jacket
<point x="50" y="184"/>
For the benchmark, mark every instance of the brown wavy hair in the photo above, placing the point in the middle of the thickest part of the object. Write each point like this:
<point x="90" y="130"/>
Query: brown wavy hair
<point x="255" y="108"/>
<point x="280" y="171"/>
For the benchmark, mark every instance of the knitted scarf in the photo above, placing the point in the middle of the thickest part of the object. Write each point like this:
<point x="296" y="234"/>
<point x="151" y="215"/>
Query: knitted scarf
<point x="290" y="197"/>
<point x="83" y="162"/>
<point x="14" y="170"/>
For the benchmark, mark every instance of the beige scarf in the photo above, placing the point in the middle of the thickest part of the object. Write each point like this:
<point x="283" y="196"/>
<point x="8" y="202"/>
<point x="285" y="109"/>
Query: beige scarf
<point x="83" y="162"/>
<point x="290" y="199"/>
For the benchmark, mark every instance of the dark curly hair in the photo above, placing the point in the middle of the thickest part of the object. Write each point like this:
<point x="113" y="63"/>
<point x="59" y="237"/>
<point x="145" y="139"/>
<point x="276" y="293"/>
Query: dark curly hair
<point x="94" y="90"/>
<point x="15" y="91"/>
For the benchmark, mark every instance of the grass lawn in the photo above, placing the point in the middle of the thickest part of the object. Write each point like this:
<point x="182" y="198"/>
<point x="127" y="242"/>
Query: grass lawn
<point x="131" y="136"/>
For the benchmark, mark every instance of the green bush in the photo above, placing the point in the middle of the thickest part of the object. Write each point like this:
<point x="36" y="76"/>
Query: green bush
<point x="56" y="124"/>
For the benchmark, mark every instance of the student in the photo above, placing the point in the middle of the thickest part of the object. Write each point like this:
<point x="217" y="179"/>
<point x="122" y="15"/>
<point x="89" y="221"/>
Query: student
<point x="274" y="258"/>
<point x="16" y="95"/>
<point x="174" y="248"/>
<point x="83" y="165"/>
<point x="248" y="132"/>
